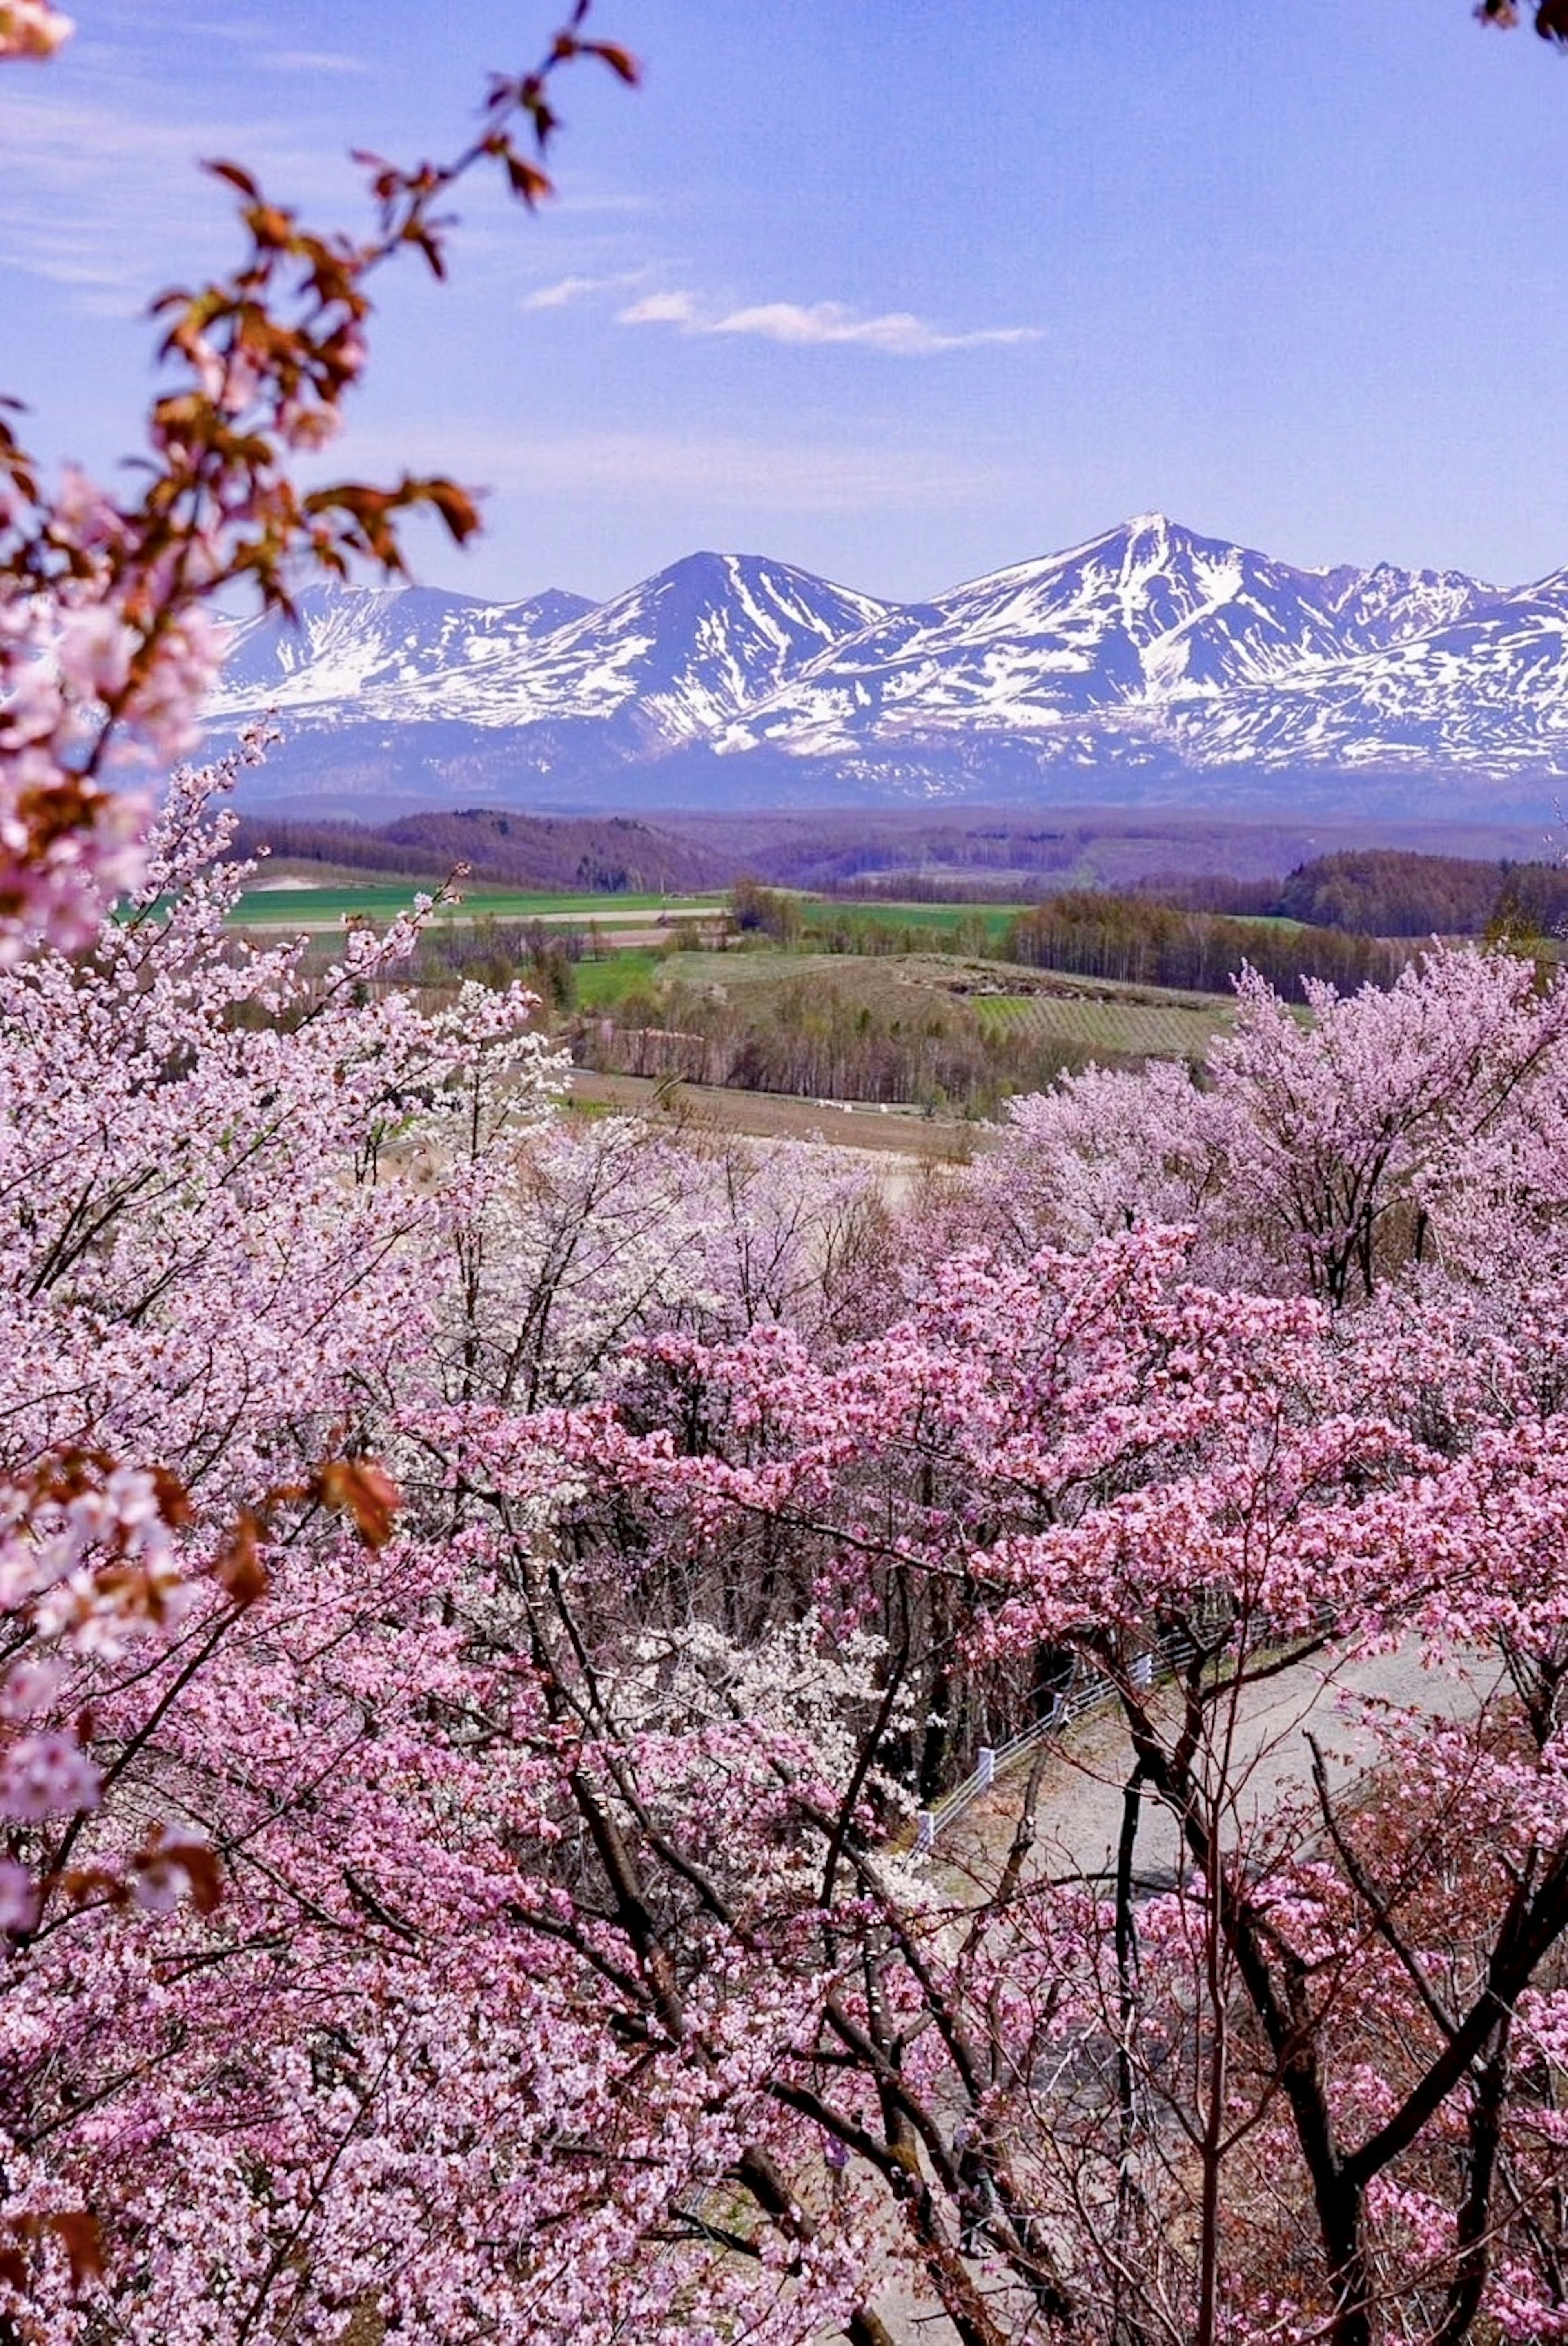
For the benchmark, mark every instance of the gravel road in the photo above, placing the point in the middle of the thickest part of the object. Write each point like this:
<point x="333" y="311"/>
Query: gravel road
<point x="1079" y="1811"/>
<point x="1079" y="1815"/>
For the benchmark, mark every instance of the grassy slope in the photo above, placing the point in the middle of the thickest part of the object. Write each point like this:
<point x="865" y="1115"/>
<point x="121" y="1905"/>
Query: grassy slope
<point x="1094" y="1016"/>
<point x="886" y="913"/>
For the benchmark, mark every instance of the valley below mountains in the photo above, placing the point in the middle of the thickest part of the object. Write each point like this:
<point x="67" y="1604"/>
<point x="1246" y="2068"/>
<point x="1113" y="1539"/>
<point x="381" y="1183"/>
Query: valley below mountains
<point x="1150" y="666"/>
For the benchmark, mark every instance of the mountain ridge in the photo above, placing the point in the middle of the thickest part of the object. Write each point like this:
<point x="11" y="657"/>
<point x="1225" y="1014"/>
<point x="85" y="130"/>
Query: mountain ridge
<point x="1146" y="661"/>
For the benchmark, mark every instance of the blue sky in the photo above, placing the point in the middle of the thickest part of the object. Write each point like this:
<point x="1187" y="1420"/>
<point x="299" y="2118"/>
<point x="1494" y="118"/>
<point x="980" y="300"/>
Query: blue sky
<point x="897" y="290"/>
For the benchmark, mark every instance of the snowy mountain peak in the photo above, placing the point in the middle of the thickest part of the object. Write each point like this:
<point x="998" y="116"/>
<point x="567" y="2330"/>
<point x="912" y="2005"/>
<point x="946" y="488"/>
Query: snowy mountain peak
<point x="1148" y="656"/>
<point x="666" y="661"/>
<point x="354" y="642"/>
<point x="1153" y="538"/>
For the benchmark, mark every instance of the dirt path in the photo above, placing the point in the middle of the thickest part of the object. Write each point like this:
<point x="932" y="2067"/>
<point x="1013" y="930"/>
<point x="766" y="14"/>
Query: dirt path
<point x="774" y="1115"/>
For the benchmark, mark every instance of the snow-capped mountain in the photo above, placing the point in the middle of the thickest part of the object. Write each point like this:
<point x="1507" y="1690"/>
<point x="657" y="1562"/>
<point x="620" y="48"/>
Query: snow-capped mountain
<point x="673" y="659"/>
<point x="1149" y="660"/>
<point x="676" y="657"/>
<point x="1484" y="694"/>
<point x="1145" y="615"/>
<point x="352" y="642"/>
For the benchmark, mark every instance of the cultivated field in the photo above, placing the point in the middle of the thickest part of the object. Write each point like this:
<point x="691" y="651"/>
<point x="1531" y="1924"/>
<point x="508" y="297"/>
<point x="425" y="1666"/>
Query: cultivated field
<point x="913" y="1013"/>
<point x="1093" y="1016"/>
<point x="989" y="921"/>
<point x="288" y="904"/>
<point x="1110" y="1023"/>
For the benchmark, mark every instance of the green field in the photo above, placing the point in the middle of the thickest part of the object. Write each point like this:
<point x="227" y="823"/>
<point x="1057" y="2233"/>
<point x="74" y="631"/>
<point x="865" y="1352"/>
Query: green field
<point x="320" y="908"/>
<point x="606" y="985"/>
<point x="993" y="920"/>
<point x="1109" y="1026"/>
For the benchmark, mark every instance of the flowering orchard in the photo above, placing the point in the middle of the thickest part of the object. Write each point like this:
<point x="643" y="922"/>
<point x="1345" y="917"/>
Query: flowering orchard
<point x="1282" y="2058"/>
<point x="484" y="1597"/>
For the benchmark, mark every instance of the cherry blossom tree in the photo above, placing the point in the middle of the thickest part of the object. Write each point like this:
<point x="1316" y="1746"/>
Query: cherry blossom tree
<point x="1288" y="2067"/>
<point x="306" y="2010"/>
<point x="484" y="1601"/>
<point x="1326" y="1147"/>
<point x="107" y="640"/>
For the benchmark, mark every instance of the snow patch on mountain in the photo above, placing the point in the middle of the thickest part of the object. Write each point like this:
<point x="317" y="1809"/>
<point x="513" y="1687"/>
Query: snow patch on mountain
<point x="1149" y="650"/>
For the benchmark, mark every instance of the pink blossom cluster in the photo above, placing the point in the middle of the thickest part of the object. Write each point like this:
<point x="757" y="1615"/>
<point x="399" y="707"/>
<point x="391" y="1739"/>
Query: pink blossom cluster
<point x="507" y="1913"/>
<point x="493" y="1605"/>
<point x="32" y="28"/>
<point x="102" y="666"/>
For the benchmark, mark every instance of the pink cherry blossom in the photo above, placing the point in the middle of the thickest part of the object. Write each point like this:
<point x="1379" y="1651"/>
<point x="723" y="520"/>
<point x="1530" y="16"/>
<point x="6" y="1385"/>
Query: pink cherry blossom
<point x="32" y="28"/>
<point x="46" y="1776"/>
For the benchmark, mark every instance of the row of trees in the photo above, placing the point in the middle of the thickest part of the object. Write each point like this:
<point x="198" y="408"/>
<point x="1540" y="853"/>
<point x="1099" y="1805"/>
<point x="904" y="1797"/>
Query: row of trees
<point x="490" y="952"/>
<point x="1132" y="940"/>
<point x="1380" y="892"/>
<point x="1385" y="891"/>
<point x="608" y="854"/>
<point x="813" y="1040"/>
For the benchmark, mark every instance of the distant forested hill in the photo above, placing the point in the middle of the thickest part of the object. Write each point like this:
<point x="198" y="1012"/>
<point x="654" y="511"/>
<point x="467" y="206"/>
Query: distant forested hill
<point x="613" y="854"/>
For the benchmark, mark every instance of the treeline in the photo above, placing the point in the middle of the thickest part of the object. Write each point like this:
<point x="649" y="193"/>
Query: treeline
<point x="1378" y="891"/>
<point x="993" y="852"/>
<point x="610" y="855"/>
<point x="1127" y="938"/>
<point x="493" y="952"/>
<point x="1384" y="892"/>
<point x="811" y="1041"/>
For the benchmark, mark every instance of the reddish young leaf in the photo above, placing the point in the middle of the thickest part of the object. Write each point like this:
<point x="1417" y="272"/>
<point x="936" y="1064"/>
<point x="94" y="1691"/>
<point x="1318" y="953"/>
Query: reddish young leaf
<point x="78" y="2235"/>
<point x="620" y="61"/>
<point x="360" y="1489"/>
<point x="236" y="177"/>
<point x="239" y="1569"/>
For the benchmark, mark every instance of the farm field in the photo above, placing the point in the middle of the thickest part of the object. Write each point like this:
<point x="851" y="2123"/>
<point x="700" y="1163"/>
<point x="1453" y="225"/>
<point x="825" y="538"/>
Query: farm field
<point x="952" y="1031"/>
<point x="990" y="921"/>
<point x="938" y="1033"/>
<point x="289" y="900"/>
<point x="1115" y="1023"/>
<point x="605" y="985"/>
<point x="303" y="907"/>
<point x="1093" y="1016"/>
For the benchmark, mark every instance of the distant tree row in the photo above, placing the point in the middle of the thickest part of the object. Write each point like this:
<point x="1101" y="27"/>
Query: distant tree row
<point x="488" y="951"/>
<point x="1380" y="892"/>
<point x="810" y="1040"/>
<point x="1095" y="935"/>
<point x="1385" y="891"/>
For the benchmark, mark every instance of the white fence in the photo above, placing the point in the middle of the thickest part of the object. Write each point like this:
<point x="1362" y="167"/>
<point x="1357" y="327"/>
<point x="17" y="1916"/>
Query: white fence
<point x="1083" y="1694"/>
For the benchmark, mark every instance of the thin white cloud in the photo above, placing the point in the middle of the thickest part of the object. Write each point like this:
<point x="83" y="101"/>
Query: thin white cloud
<point x="661" y="309"/>
<point x="568" y="290"/>
<point x="313" y="61"/>
<point x="750" y="473"/>
<point x="111" y="204"/>
<point x="814" y="325"/>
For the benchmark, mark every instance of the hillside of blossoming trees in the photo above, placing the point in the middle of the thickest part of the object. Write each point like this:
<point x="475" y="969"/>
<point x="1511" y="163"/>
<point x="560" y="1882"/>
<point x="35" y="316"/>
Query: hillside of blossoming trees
<point x="487" y="1597"/>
